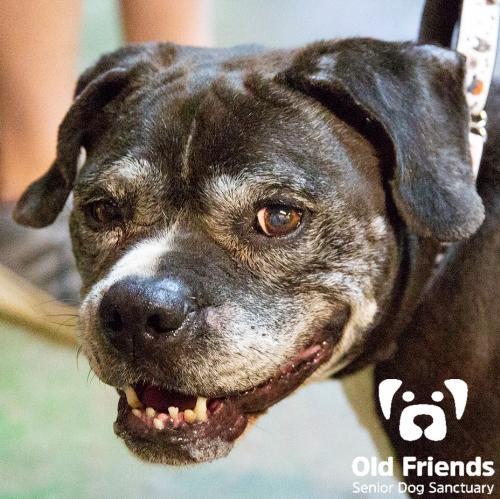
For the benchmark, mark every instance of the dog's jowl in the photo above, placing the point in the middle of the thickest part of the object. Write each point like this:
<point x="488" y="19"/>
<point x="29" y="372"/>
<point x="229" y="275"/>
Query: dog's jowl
<point x="247" y="220"/>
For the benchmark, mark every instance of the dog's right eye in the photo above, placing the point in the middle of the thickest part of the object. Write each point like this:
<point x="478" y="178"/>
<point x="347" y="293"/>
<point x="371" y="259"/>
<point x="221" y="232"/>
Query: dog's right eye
<point x="103" y="213"/>
<point x="278" y="220"/>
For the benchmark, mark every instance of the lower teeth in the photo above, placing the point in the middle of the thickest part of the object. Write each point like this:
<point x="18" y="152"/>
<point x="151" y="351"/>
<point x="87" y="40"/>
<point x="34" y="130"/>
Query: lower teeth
<point x="160" y="420"/>
<point x="189" y="416"/>
<point x="150" y="412"/>
<point x="158" y="424"/>
<point x="174" y="416"/>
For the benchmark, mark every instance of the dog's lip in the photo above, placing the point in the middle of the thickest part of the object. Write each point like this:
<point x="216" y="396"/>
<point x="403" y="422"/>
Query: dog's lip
<point x="229" y="419"/>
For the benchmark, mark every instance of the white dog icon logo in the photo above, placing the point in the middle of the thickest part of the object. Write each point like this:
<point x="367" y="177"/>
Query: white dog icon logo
<point x="408" y="430"/>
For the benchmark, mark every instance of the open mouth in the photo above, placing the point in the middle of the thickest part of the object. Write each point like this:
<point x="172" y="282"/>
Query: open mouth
<point x="171" y="427"/>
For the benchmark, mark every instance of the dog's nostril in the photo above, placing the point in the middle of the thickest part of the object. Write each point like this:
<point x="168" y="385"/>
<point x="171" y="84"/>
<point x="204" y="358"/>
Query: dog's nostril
<point x="115" y="322"/>
<point x="112" y="320"/>
<point x="159" y="323"/>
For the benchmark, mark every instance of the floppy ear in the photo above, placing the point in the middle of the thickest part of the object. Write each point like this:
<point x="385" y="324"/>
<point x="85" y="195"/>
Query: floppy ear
<point x="415" y="95"/>
<point x="45" y="198"/>
<point x="108" y="80"/>
<point x="97" y="86"/>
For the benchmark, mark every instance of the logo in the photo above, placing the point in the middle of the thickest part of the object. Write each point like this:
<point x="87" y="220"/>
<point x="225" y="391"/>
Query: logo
<point x="408" y="429"/>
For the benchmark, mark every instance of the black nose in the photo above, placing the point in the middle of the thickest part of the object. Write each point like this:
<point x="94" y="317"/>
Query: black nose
<point x="138" y="309"/>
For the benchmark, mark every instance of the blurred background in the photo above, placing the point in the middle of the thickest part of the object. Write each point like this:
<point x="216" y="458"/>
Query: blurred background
<point x="277" y="23"/>
<point x="56" y="437"/>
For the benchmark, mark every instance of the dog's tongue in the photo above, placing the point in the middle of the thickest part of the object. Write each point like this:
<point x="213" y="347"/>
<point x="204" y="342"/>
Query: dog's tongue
<point x="160" y="400"/>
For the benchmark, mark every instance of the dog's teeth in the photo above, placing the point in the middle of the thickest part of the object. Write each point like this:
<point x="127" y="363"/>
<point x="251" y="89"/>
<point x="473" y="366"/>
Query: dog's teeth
<point x="158" y="424"/>
<point x="137" y="412"/>
<point x="200" y="409"/>
<point x="162" y="417"/>
<point x="189" y="416"/>
<point x="132" y="398"/>
<point x="179" y="420"/>
<point x="173" y="411"/>
<point x="150" y="412"/>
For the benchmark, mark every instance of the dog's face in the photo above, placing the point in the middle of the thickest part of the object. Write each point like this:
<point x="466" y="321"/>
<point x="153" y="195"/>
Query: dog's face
<point x="234" y="235"/>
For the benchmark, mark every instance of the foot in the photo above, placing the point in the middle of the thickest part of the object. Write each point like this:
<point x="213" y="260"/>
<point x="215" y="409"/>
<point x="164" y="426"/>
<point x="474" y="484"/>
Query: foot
<point x="42" y="256"/>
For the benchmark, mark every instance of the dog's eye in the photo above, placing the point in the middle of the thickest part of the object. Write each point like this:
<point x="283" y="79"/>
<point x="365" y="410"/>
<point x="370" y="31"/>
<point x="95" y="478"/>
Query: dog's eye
<point x="278" y="221"/>
<point x="104" y="213"/>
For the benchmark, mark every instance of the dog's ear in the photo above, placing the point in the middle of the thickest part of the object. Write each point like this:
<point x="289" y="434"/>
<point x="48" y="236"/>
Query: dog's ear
<point x="103" y="83"/>
<point x="415" y="95"/>
<point x="45" y="198"/>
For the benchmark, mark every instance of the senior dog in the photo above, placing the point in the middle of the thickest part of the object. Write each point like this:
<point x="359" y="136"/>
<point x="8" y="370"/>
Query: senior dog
<point x="246" y="220"/>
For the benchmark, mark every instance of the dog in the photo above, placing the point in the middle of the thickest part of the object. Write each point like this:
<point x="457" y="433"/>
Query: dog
<point x="247" y="220"/>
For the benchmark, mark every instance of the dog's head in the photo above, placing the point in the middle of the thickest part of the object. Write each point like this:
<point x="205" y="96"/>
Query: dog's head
<point x="236" y="219"/>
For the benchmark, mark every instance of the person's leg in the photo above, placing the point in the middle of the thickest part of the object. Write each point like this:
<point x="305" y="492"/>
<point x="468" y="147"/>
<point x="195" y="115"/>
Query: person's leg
<point x="38" y="48"/>
<point x="185" y="22"/>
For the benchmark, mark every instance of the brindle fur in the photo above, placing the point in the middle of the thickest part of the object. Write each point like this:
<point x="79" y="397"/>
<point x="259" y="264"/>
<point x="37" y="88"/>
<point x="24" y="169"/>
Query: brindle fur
<point x="369" y="137"/>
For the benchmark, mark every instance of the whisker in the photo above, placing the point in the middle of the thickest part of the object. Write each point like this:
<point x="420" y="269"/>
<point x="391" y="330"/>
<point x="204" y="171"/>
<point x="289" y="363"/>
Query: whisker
<point x="91" y="376"/>
<point x="67" y="301"/>
<point x="78" y="352"/>
<point x="62" y="315"/>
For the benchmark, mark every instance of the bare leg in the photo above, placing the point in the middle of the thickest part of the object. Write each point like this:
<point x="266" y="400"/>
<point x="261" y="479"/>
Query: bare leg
<point x="38" y="46"/>
<point x="181" y="21"/>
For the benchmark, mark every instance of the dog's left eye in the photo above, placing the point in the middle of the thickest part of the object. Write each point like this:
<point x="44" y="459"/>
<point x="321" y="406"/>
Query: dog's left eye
<point x="104" y="213"/>
<point x="278" y="221"/>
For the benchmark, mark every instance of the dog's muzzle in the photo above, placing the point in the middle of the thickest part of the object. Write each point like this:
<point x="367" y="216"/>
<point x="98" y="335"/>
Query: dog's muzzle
<point x="140" y="316"/>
